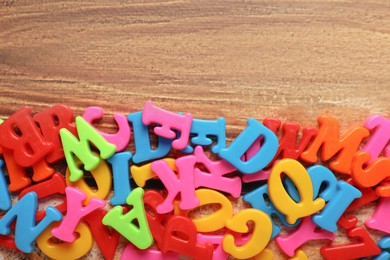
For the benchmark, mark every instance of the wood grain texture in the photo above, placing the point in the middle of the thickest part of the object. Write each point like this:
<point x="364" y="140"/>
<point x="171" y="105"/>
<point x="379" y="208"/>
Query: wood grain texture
<point x="293" y="60"/>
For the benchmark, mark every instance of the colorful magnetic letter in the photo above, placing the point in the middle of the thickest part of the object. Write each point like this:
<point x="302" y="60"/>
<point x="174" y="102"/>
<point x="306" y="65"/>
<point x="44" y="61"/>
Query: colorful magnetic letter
<point x="75" y="211"/>
<point x="120" y="139"/>
<point x="379" y="140"/>
<point x="151" y="200"/>
<point x="50" y="121"/>
<point x="288" y="147"/>
<point x="26" y="231"/>
<point x="143" y="173"/>
<point x="364" y="247"/>
<point x="287" y="144"/>
<point x="384" y="244"/>
<point x="305" y="232"/>
<point x="131" y="252"/>
<point x="216" y="240"/>
<point x="203" y="129"/>
<point x="328" y="217"/>
<point x="259" y="199"/>
<point x="283" y="201"/>
<point x="261" y="233"/>
<point x="319" y="176"/>
<point x="143" y="150"/>
<point x="327" y="139"/>
<point x="18" y="175"/>
<point x="168" y="122"/>
<point x="184" y="184"/>
<point x="180" y="236"/>
<point x="300" y="255"/>
<point x="241" y="144"/>
<point x="55" y="185"/>
<point x="380" y="218"/>
<point x="216" y="220"/>
<point x="5" y="197"/>
<point x="139" y="235"/>
<point x="214" y="177"/>
<point x="20" y="134"/>
<point x="373" y="174"/>
<point x="106" y="239"/>
<point x="103" y="179"/>
<point x="65" y="251"/>
<point x="120" y="163"/>
<point x="81" y="148"/>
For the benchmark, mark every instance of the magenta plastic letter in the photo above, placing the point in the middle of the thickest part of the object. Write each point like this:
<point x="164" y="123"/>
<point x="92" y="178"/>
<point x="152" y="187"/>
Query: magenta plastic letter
<point x="184" y="184"/>
<point x="168" y="122"/>
<point x="214" y="177"/>
<point x="380" y="218"/>
<point x="304" y="233"/>
<point x="380" y="138"/>
<point x="122" y="138"/>
<point x="75" y="211"/>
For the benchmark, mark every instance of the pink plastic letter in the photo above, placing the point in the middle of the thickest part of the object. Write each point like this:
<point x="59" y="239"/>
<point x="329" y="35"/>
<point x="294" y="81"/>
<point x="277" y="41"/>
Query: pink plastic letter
<point x="184" y="184"/>
<point x="219" y="253"/>
<point x="379" y="139"/>
<point x="214" y="177"/>
<point x="168" y="121"/>
<point x="122" y="138"/>
<point x="305" y="232"/>
<point x="380" y="218"/>
<point x="75" y="211"/>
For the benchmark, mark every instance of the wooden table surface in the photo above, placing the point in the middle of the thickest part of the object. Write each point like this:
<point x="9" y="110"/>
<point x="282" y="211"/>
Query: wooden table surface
<point x="292" y="60"/>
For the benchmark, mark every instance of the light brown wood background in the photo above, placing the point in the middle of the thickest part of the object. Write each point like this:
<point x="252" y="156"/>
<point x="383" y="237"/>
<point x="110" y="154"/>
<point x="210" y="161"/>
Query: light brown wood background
<point x="293" y="60"/>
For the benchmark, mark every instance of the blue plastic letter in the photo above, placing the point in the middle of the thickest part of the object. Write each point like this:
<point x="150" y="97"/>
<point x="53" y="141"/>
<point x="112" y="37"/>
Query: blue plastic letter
<point x="25" y="211"/>
<point x="203" y="129"/>
<point x="121" y="175"/>
<point x="5" y="197"/>
<point x="241" y="144"/>
<point x="328" y="217"/>
<point x="143" y="150"/>
<point x="257" y="199"/>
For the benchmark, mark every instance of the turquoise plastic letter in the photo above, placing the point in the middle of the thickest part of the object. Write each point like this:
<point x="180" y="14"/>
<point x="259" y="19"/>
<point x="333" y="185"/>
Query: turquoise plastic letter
<point x="5" y="197"/>
<point x="328" y="217"/>
<point x="241" y="144"/>
<point x="143" y="150"/>
<point x="257" y="199"/>
<point x="26" y="231"/>
<point x="120" y="163"/>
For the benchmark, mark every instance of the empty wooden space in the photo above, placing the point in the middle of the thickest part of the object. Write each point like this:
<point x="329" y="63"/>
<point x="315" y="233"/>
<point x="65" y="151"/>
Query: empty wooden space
<point x="292" y="60"/>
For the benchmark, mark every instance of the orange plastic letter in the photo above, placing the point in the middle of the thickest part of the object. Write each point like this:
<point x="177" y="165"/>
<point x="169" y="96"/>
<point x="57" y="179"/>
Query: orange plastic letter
<point x="327" y="139"/>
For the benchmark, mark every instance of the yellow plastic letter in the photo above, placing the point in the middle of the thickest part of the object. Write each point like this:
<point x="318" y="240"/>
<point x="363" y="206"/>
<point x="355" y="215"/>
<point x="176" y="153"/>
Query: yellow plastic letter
<point x="217" y="219"/>
<point x="299" y="255"/>
<point x="260" y="236"/>
<point x="143" y="173"/>
<point x="103" y="177"/>
<point x="64" y="250"/>
<point x="266" y="254"/>
<point x="282" y="200"/>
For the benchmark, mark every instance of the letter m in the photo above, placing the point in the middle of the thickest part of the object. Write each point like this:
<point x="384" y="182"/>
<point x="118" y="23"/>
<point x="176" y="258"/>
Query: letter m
<point x="328" y="141"/>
